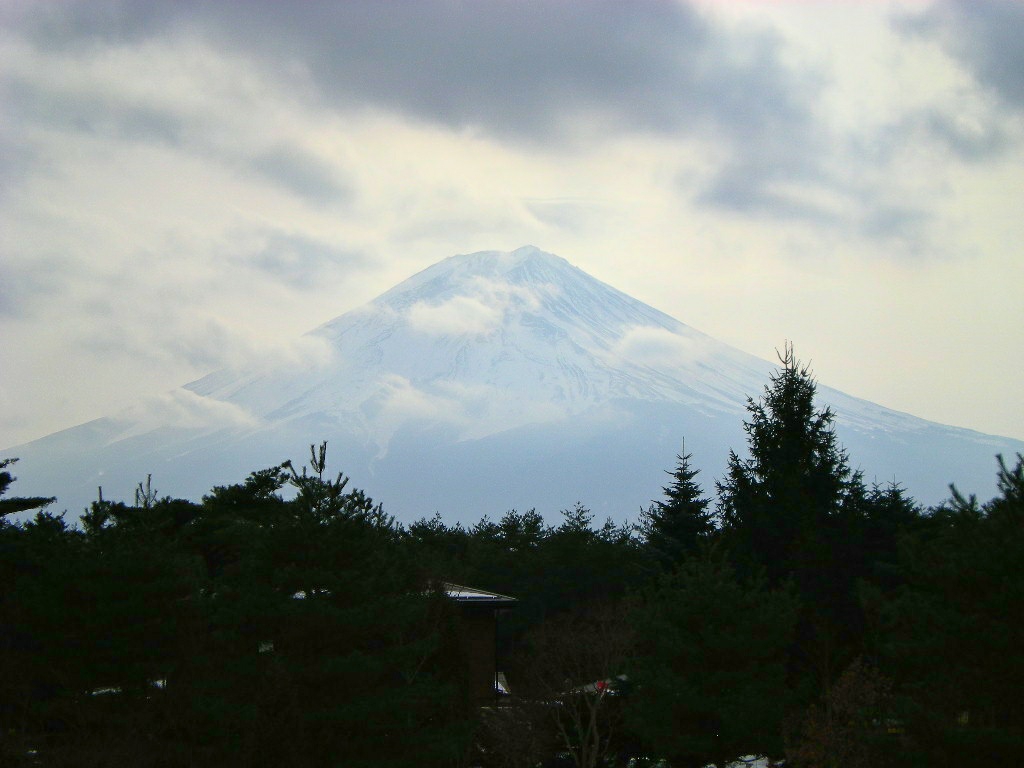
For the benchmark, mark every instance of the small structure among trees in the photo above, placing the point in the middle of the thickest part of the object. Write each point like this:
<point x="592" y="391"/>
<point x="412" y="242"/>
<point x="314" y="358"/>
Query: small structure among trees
<point x="478" y="637"/>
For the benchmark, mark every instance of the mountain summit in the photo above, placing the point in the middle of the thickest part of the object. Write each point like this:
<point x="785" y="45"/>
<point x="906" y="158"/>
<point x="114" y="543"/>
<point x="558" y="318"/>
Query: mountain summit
<point x="488" y="381"/>
<point x="491" y="341"/>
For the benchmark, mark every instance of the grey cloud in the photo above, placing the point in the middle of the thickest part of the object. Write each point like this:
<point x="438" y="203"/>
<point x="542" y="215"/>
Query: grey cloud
<point x="539" y="73"/>
<point x="206" y="347"/>
<point x="83" y="24"/>
<point x="303" y="174"/>
<point x="568" y="215"/>
<point x="985" y="35"/>
<point x="300" y="261"/>
<point x="894" y="222"/>
<point x="977" y="142"/>
<point x="747" y="186"/>
<point x="992" y="44"/>
<point x="967" y="138"/>
<point x="157" y="337"/>
<point x="93" y="113"/>
<point x="779" y="149"/>
<point x="29" y="286"/>
<point x="513" y="68"/>
<point x="533" y="72"/>
<point x="806" y="194"/>
<point x="738" y="194"/>
<point x="17" y="158"/>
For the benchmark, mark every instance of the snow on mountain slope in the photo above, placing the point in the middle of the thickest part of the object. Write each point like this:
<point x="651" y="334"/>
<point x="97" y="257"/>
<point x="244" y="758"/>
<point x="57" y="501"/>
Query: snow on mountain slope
<point x="494" y="340"/>
<point x="485" y="382"/>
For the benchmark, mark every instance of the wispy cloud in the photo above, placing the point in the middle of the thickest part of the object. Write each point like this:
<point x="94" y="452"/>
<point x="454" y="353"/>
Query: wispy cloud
<point x="182" y="409"/>
<point x="539" y="73"/>
<point x="984" y="35"/>
<point x="479" y="309"/>
<point x="659" y="348"/>
<point x="457" y="316"/>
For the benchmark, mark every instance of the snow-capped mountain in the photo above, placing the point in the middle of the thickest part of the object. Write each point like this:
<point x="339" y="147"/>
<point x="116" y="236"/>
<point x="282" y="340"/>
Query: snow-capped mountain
<point x="486" y="382"/>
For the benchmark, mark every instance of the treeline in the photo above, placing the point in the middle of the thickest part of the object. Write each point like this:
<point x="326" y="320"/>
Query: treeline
<point x="288" y="620"/>
<point x="245" y="630"/>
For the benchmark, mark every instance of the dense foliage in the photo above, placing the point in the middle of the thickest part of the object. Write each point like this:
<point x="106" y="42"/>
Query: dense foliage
<point x="681" y="524"/>
<point x="288" y="620"/>
<point x="710" y="667"/>
<point x="245" y="630"/>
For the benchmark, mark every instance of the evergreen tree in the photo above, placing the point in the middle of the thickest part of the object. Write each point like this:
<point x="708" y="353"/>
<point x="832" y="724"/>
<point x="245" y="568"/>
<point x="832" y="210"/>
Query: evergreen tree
<point x="333" y="649"/>
<point x="439" y="550"/>
<point x="14" y="505"/>
<point x="38" y="570"/>
<point x="889" y="515"/>
<point x="582" y="565"/>
<point x="552" y="569"/>
<point x="40" y="628"/>
<point x="795" y="511"/>
<point x="678" y="526"/>
<point x="778" y="506"/>
<point x="708" y="682"/>
<point x="249" y="630"/>
<point x="950" y="634"/>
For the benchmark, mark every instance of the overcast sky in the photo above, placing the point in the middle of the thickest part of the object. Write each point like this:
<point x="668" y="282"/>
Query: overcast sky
<point x="189" y="185"/>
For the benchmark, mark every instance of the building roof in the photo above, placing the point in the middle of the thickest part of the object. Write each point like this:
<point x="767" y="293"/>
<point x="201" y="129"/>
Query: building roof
<point x="473" y="596"/>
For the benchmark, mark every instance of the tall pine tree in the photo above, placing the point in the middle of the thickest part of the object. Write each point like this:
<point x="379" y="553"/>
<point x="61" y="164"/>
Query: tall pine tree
<point x="793" y="510"/>
<point x="778" y="506"/>
<point x="677" y="526"/>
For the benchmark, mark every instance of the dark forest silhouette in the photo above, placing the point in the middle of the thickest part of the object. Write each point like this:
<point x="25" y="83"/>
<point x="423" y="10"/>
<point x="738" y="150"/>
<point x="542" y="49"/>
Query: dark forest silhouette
<point x="288" y="620"/>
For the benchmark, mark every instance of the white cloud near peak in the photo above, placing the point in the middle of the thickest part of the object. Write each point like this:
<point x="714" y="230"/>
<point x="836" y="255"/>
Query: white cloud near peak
<point x="480" y="309"/>
<point x="183" y="409"/>
<point x="460" y="315"/>
<point x="658" y="347"/>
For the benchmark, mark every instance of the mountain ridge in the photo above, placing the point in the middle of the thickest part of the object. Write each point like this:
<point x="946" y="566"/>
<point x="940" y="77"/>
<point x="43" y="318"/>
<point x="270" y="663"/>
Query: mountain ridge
<point x="473" y="368"/>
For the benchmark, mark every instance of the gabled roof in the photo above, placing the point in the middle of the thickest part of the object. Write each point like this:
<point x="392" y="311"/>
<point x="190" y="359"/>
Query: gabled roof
<point x="472" y="596"/>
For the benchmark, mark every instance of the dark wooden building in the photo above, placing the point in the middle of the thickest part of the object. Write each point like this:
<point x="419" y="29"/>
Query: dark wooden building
<point x="479" y="612"/>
